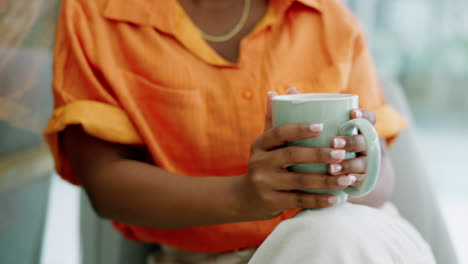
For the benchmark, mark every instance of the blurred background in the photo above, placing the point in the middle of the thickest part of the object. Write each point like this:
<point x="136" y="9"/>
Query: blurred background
<point x="421" y="44"/>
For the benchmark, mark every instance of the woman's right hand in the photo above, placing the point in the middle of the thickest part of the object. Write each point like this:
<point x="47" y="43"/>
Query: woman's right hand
<point x="268" y="188"/>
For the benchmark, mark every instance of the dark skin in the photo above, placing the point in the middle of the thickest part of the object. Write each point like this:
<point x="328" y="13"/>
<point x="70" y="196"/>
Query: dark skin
<point x="219" y="17"/>
<point x="382" y="191"/>
<point x="123" y="186"/>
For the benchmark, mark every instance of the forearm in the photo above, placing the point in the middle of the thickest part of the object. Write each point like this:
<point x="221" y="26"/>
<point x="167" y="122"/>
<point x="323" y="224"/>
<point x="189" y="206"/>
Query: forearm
<point x="383" y="189"/>
<point x="138" y="193"/>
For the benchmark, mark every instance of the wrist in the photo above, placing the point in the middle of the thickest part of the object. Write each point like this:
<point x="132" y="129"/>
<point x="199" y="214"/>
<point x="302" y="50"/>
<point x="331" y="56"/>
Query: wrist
<point x="239" y="202"/>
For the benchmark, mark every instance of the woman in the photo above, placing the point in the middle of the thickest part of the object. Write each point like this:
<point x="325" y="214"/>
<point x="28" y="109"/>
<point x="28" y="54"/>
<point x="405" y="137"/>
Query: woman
<point x="158" y="103"/>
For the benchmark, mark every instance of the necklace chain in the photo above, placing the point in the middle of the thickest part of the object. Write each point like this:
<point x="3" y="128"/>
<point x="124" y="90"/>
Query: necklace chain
<point x="235" y="30"/>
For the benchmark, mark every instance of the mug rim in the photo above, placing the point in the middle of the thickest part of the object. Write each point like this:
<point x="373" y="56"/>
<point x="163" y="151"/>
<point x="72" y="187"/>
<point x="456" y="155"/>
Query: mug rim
<point x="307" y="97"/>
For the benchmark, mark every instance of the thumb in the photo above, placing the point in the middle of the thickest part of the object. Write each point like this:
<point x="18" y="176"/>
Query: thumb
<point x="268" y="121"/>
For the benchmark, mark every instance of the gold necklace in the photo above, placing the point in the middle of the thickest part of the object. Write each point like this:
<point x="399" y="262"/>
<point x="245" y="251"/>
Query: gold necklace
<point x="235" y="30"/>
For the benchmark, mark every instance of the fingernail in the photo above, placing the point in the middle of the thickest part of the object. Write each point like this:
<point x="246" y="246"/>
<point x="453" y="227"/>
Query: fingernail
<point x="335" y="168"/>
<point x="358" y="113"/>
<point x="337" y="154"/>
<point x="292" y="90"/>
<point x="272" y="93"/>
<point x="316" y="127"/>
<point x="345" y="180"/>
<point x="352" y="178"/>
<point x="332" y="200"/>
<point x="339" y="143"/>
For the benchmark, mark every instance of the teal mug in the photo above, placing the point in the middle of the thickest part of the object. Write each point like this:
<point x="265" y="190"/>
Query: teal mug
<point x="333" y="111"/>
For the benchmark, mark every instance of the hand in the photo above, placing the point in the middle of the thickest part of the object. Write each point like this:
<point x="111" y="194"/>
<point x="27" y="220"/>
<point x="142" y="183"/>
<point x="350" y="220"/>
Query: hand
<point x="268" y="189"/>
<point x="356" y="167"/>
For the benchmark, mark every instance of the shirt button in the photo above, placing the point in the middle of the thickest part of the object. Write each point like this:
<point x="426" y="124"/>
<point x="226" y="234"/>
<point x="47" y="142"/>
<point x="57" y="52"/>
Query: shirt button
<point x="247" y="94"/>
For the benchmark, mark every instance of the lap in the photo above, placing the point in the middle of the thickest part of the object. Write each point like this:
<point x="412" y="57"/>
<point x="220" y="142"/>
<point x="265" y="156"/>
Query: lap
<point x="345" y="234"/>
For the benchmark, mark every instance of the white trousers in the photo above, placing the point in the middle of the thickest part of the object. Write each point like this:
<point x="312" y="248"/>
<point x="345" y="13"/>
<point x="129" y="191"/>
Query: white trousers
<point x="345" y="234"/>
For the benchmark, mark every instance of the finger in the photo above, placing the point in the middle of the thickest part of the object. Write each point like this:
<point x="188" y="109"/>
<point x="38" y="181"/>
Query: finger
<point x="351" y="166"/>
<point x="291" y="155"/>
<point x="280" y="135"/>
<point x="356" y="143"/>
<point x="292" y="90"/>
<point x="358" y="181"/>
<point x="361" y="113"/>
<point x="294" y="200"/>
<point x="288" y="181"/>
<point x="268" y="121"/>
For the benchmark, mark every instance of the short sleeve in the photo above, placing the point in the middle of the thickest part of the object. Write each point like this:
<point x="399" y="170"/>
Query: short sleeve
<point x="363" y="81"/>
<point x="81" y="96"/>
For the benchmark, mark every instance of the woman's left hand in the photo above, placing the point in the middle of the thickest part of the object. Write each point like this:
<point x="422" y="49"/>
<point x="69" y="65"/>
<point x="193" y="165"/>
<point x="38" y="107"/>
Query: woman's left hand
<point x="356" y="143"/>
<point x="357" y="166"/>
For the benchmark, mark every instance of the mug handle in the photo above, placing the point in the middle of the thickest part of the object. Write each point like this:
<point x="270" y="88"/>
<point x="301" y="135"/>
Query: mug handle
<point x="373" y="154"/>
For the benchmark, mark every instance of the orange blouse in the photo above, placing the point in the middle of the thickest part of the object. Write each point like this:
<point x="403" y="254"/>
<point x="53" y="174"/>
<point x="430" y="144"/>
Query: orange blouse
<point x="138" y="72"/>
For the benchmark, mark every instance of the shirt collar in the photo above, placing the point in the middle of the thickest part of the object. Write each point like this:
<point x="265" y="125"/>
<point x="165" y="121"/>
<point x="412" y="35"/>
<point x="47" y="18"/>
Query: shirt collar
<point x="156" y="13"/>
<point x="163" y="14"/>
<point x="168" y="16"/>
<point x="282" y="5"/>
<point x="277" y="8"/>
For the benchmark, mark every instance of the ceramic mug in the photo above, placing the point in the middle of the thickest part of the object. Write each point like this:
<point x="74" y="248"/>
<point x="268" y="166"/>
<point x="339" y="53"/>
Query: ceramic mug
<point x="333" y="111"/>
